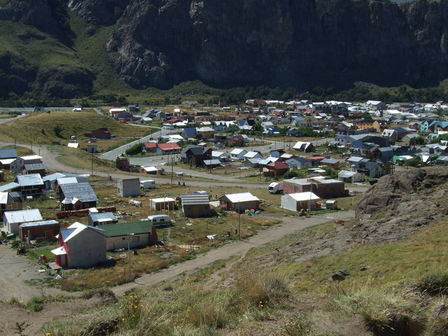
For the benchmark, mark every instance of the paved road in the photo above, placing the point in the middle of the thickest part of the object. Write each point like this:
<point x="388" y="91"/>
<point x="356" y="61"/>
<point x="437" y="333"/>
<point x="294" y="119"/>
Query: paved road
<point x="290" y="225"/>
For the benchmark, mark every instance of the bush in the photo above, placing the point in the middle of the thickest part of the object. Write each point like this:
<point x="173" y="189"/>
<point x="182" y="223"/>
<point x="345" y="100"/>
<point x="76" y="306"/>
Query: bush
<point x="36" y="304"/>
<point x="434" y="284"/>
<point x="134" y="150"/>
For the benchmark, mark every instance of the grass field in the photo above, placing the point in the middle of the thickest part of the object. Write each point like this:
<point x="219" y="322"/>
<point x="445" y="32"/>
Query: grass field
<point x="47" y="127"/>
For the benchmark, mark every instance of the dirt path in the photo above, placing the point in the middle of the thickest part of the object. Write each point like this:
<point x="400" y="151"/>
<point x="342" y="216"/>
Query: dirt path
<point x="289" y="225"/>
<point x="15" y="270"/>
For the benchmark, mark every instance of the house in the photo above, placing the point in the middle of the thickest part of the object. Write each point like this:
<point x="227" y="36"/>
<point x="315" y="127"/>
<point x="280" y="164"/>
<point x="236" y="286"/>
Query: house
<point x="368" y="125"/>
<point x="163" y="203"/>
<point x="80" y="246"/>
<point x="238" y="154"/>
<point x="75" y="196"/>
<point x="195" y="205"/>
<point x="252" y="155"/>
<point x="150" y="147"/>
<point x="7" y="157"/>
<point x="129" y="187"/>
<point x="275" y="169"/>
<point x="34" y="168"/>
<point x="350" y="176"/>
<point x="319" y="185"/>
<point x="51" y="182"/>
<point x="168" y="148"/>
<point x="189" y="132"/>
<point x="367" y="167"/>
<point x="99" y="133"/>
<point x="391" y="134"/>
<point x="299" y="163"/>
<point x="13" y="219"/>
<point x="301" y="146"/>
<point x="332" y="163"/>
<point x="239" y="202"/>
<point x="19" y="164"/>
<point x="222" y="156"/>
<point x="205" y="132"/>
<point x="131" y="235"/>
<point x="300" y="201"/>
<point x="8" y="202"/>
<point x="100" y="218"/>
<point x="39" y="231"/>
<point x="195" y="155"/>
<point x="30" y="185"/>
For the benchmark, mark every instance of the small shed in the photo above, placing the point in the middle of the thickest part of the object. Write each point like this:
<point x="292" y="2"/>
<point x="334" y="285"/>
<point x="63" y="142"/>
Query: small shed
<point x="13" y="219"/>
<point x="298" y="201"/>
<point x="163" y="203"/>
<point x="239" y="202"/>
<point x="195" y="205"/>
<point x="129" y="187"/>
<point x="39" y="231"/>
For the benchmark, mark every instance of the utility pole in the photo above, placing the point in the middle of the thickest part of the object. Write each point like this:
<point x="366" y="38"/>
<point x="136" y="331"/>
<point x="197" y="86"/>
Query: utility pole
<point x="239" y="221"/>
<point x="92" y="162"/>
<point x="172" y="170"/>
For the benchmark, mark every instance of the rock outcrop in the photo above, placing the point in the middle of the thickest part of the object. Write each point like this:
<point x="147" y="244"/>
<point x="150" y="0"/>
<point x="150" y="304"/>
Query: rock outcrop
<point x="401" y="202"/>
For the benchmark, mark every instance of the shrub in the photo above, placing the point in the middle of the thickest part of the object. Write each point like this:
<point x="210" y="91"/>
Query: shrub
<point x="131" y="310"/>
<point x="134" y="150"/>
<point x="36" y="304"/>
<point x="434" y="284"/>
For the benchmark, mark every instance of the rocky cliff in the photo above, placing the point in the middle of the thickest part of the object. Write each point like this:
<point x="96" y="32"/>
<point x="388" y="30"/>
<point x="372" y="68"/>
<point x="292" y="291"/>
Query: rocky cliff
<point x="285" y="43"/>
<point x="327" y="43"/>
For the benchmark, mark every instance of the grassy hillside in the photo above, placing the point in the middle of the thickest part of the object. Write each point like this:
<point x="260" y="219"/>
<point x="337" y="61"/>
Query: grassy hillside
<point x="46" y="127"/>
<point x="399" y="288"/>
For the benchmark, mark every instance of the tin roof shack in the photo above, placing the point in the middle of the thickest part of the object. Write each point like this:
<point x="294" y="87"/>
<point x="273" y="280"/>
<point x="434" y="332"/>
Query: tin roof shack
<point x="9" y="202"/>
<point x="100" y="218"/>
<point x="324" y="188"/>
<point x="129" y="187"/>
<point x="13" y="219"/>
<point x="298" y="201"/>
<point x="80" y="246"/>
<point x="30" y="185"/>
<point x="239" y="202"/>
<point x="76" y="196"/>
<point x="195" y="205"/>
<point x="8" y="153"/>
<point x="332" y="163"/>
<point x="122" y="163"/>
<point x="100" y="133"/>
<point x="163" y="203"/>
<point x="39" y="231"/>
<point x="129" y="235"/>
<point x="19" y="164"/>
<point x="275" y="169"/>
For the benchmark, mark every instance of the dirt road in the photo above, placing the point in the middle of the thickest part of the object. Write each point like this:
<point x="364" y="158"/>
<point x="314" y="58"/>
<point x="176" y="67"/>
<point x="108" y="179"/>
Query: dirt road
<point x="239" y="248"/>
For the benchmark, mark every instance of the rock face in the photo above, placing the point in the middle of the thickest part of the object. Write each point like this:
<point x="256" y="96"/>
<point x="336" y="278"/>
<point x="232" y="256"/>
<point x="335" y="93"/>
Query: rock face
<point x="400" y="203"/>
<point x="327" y="43"/>
<point x="284" y="43"/>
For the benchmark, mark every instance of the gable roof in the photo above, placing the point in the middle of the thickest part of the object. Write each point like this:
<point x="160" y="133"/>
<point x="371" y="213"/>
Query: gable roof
<point x="29" y="180"/>
<point x="168" y="146"/>
<point x="304" y="196"/>
<point x="195" y="199"/>
<point x="75" y="229"/>
<point x="23" y="216"/>
<point x="81" y="191"/>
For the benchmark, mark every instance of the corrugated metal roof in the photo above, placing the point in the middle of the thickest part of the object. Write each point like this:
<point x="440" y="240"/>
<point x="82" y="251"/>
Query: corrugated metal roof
<point x="82" y="191"/>
<point x="40" y="223"/>
<point x="8" y="153"/>
<point x="66" y="180"/>
<point x="162" y="200"/>
<point x="242" y="197"/>
<point x="304" y="196"/>
<point x="126" y="229"/>
<point x="194" y="199"/>
<point x="29" y="180"/>
<point x="23" y="216"/>
<point x="9" y="186"/>
<point x="75" y="229"/>
<point x="95" y="217"/>
<point x="34" y="166"/>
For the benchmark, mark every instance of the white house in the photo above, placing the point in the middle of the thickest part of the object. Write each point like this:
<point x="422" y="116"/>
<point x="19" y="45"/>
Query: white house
<point x="238" y="154"/>
<point x="13" y="219"/>
<point x="252" y="155"/>
<point x="297" y="201"/>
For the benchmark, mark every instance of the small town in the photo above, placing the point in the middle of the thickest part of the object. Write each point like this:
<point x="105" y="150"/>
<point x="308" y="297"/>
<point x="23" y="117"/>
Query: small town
<point x="134" y="193"/>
